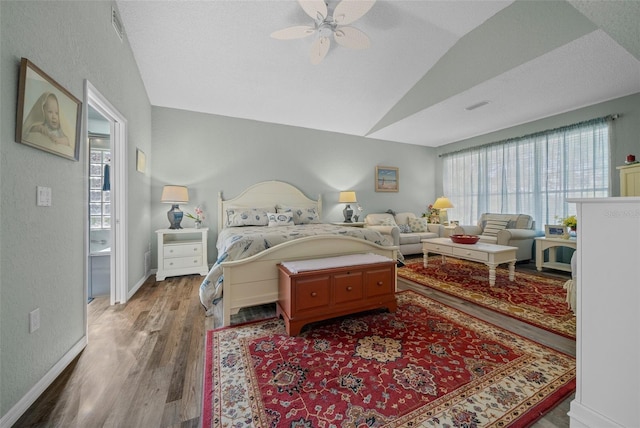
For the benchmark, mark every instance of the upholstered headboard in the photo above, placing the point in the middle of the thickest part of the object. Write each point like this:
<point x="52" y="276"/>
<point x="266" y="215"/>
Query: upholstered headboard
<point x="267" y="194"/>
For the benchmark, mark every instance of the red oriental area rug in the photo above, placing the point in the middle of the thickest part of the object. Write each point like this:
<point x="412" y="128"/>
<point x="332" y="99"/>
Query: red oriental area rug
<point x="534" y="299"/>
<point x="427" y="364"/>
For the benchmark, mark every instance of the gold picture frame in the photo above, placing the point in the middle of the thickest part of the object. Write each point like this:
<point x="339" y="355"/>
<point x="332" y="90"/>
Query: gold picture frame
<point x="387" y="179"/>
<point x="48" y="116"/>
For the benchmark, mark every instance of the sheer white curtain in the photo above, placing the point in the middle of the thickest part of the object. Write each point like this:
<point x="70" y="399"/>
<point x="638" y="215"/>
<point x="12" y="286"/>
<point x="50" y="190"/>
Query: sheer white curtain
<point x="534" y="174"/>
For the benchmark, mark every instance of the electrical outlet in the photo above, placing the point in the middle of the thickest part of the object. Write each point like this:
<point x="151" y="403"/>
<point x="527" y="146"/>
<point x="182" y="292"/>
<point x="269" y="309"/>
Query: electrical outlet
<point x="34" y="320"/>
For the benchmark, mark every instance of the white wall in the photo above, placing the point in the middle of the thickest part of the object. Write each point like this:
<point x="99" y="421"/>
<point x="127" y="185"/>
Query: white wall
<point x="42" y="248"/>
<point x="211" y="153"/>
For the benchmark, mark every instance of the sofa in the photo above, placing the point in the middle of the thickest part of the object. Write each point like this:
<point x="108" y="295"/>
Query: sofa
<point x="514" y="230"/>
<point x="406" y="229"/>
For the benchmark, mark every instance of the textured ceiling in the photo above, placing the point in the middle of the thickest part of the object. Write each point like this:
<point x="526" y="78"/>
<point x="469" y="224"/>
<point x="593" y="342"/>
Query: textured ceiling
<point x="428" y="60"/>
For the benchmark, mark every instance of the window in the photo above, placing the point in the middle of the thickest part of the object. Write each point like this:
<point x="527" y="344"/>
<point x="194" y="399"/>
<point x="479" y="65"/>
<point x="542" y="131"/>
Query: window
<point x="99" y="199"/>
<point x="534" y="174"/>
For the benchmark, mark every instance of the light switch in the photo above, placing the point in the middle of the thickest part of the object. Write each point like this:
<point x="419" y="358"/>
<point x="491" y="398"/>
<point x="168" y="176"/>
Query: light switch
<point x="43" y="198"/>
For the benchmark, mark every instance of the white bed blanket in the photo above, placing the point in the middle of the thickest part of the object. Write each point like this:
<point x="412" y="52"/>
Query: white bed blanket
<point x="236" y="243"/>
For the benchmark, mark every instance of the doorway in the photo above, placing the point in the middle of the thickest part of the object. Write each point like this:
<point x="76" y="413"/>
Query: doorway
<point x="102" y="120"/>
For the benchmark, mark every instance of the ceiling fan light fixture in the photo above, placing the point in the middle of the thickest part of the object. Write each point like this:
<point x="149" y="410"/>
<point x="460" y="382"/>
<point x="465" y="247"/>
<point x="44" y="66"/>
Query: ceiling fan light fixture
<point x="319" y="49"/>
<point x="346" y="12"/>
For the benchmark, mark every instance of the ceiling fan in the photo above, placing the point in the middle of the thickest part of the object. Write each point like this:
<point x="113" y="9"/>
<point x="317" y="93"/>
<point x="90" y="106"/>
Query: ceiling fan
<point x="326" y="24"/>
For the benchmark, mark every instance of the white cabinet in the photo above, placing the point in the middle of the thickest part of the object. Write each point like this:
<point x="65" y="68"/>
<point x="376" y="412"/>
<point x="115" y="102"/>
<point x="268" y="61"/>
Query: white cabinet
<point x="608" y="313"/>
<point x="630" y="180"/>
<point x="182" y="252"/>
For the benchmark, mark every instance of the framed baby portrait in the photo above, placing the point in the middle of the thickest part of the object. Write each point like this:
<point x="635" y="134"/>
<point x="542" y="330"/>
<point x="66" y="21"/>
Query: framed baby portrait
<point x="48" y="116"/>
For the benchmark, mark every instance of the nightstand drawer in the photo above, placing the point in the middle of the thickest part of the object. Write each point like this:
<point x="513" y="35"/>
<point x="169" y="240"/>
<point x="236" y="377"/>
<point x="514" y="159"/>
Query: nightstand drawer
<point x="480" y="256"/>
<point x="182" y="262"/>
<point x="182" y="250"/>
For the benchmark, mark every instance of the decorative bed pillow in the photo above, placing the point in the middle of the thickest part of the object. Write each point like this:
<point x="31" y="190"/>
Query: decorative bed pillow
<point x="302" y="215"/>
<point x="280" y="219"/>
<point x="492" y="227"/>
<point x="418" y="224"/>
<point x="404" y="228"/>
<point x="247" y="217"/>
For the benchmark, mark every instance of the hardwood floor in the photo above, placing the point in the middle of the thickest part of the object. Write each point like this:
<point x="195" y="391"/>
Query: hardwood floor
<point x="143" y="366"/>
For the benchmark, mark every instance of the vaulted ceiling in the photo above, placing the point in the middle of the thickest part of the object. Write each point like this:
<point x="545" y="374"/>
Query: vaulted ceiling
<point x="428" y="62"/>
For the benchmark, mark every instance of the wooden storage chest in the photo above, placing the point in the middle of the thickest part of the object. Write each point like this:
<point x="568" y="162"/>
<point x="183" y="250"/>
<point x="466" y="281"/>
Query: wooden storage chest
<point x="317" y="295"/>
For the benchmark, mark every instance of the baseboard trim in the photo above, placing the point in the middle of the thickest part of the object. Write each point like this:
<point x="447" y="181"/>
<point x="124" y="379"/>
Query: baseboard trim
<point x="581" y="416"/>
<point x="30" y="397"/>
<point x="138" y="285"/>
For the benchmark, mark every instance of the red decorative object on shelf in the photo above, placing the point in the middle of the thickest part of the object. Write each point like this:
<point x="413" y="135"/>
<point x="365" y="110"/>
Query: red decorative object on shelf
<point x="465" y="239"/>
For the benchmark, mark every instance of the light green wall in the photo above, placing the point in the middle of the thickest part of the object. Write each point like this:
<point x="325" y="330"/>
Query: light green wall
<point x="211" y="153"/>
<point x="625" y="137"/>
<point x="42" y="248"/>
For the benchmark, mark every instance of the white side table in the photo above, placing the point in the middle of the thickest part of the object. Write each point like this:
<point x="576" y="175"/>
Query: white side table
<point x="182" y="252"/>
<point x="552" y="244"/>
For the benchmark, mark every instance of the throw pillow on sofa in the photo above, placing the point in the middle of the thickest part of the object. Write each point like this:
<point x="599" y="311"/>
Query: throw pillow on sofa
<point x="492" y="227"/>
<point x="404" y="228"/>
<point x="388" y="222"/>
<point x="418" y="225"/>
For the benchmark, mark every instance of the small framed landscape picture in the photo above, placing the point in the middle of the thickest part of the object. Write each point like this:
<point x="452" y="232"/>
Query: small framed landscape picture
<point x="48" y="116"/>
<point x="387" y="179"/>
<point x="554" y="231"/>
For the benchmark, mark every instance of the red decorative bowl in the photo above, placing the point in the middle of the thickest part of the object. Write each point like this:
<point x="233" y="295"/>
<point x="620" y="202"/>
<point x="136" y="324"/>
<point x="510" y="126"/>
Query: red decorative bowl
<point x="465" y="239"/>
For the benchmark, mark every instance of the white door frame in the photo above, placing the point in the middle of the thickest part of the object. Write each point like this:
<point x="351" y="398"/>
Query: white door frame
<point x="119" y="254"/>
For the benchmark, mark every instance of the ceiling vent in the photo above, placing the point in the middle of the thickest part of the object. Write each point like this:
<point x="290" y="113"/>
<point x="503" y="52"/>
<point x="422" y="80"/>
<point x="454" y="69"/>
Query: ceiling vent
<point x="117" y="23"/>
<point x="477" y="105"/>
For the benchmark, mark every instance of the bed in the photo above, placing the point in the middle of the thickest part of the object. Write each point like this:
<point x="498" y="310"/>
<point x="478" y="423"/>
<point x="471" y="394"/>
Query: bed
<point x="247" y="275"/>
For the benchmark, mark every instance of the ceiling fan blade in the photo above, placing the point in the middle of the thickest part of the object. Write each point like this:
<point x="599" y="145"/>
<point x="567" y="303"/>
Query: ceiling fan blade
<point x="317" y="9"/>
<point x="319" y="49"/>
<point x="348" y="11"/>
<point x="296" y="32"/>
<point x="353" y="38"/>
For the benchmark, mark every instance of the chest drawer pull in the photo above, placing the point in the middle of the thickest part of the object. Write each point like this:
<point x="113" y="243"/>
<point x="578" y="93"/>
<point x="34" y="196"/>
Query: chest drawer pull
<point x="380" y="283"/>
<point x="314" y="294"/>
<point x="349" y="288"/>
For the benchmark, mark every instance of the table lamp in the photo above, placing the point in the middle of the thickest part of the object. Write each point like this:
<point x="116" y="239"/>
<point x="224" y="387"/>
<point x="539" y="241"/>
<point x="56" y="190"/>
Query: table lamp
<point x="175" y="195"/>
<point x="442" y="204"/>
<point x="348" y="197"/>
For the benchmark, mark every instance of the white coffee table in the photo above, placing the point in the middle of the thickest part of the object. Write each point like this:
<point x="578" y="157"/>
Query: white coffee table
<point x="490" y="254"/>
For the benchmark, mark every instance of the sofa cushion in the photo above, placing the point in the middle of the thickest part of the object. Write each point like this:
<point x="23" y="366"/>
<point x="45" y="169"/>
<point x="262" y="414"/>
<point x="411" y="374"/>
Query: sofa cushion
<point x="418" y="225"/>
<point x="377" y="219"/>
<point x="388" y="222"/>
<point x="404" y="228"/>
<point x="489" y="239"/>
<point x="415" y="238"/>
<point x="403" y="218"/>
<point x="492" y="227"/>
<point x="515" y="221"/>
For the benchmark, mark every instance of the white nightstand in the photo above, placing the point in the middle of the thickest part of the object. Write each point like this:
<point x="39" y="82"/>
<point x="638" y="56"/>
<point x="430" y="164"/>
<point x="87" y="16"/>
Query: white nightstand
<point x="182" y="252"/>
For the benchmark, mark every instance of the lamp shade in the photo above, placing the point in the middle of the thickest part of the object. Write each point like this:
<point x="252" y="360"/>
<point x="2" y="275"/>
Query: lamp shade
<point x="442" y="203"/>
<point x="174" y="195"/>
<point x="347" y="197"/>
